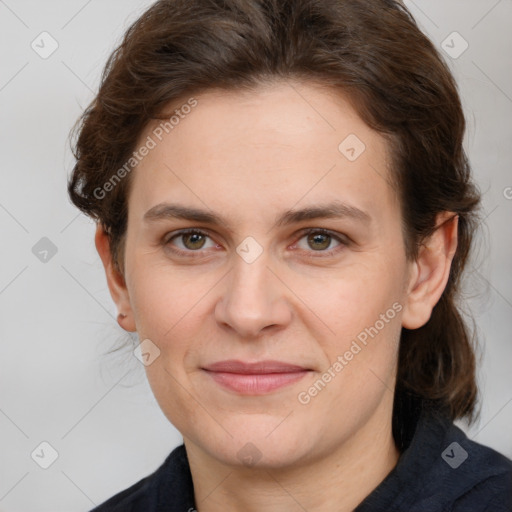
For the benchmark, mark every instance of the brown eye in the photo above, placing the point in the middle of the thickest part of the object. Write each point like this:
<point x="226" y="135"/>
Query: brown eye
<point x="189" y="241"/>
<point x="319" y="241"/>
<point x="193" y="241"/>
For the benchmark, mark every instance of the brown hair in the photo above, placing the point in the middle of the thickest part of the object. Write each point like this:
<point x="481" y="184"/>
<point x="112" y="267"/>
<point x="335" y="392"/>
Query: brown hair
<point x="373" y="51"/>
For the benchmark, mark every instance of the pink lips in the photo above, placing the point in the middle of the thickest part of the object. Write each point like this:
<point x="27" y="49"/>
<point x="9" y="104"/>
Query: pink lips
<point x="255" y="378"/>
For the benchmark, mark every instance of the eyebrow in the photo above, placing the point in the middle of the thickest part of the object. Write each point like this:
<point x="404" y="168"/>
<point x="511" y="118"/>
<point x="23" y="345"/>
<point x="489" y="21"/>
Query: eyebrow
<point x="333" y="210"/>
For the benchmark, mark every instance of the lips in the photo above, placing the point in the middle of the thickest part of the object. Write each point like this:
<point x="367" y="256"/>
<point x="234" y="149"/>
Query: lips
<point x="262" y="367"/>
<point x="255" y="378"/>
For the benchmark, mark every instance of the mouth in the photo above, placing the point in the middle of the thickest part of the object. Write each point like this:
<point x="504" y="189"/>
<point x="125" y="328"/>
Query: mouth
<point x="255" y="378"/>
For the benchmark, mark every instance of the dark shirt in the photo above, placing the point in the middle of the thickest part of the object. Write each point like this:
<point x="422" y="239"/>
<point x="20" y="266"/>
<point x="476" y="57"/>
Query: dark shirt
<point x="440" y="470"/>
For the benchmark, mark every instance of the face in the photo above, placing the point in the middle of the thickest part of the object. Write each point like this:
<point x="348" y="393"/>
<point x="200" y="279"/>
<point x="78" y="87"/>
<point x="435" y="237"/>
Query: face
<point x="294" y="259"/>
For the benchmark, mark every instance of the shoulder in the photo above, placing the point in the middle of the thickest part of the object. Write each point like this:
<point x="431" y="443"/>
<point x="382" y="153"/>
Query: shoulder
<point x="442" y="470"/>
<point x="468" y="476"/>
<point x="482" y="475"/>
<point x="173" y="477"/>
<point x="133" y="498"/>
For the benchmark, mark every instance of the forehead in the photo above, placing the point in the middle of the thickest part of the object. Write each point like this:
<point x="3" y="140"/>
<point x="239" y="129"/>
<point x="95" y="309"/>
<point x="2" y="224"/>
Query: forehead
<point x="261" y="151"/>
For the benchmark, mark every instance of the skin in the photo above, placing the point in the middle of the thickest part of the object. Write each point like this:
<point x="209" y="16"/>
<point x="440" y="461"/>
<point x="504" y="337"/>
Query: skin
<point x="249" y="158"/>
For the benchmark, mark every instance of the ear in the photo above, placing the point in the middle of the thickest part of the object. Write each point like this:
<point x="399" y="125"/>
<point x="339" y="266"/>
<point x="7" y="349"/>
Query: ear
<point x="115" y="280"/>
<point x="429" y="273"/>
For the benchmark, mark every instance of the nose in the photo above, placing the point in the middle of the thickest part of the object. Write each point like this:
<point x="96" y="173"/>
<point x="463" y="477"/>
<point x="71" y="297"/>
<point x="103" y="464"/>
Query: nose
<point x="253" y="299"/>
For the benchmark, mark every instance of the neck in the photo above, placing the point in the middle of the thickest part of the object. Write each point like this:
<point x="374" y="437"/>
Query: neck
<point x="337" y="482"/>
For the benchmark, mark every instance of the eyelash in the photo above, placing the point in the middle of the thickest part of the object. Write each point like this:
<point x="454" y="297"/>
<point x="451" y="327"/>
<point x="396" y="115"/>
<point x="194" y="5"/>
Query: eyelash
<point x="190" y="253"/>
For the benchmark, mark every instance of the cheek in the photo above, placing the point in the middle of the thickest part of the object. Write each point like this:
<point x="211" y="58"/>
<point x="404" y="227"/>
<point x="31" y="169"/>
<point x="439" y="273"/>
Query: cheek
<point x="353" y="298"/>
<point x="163" y="298"/>
<point x="361" y="312"/>
<point x="172" y="396"/>
<point x="360" y="357"/>
<point x="171" y="309"/>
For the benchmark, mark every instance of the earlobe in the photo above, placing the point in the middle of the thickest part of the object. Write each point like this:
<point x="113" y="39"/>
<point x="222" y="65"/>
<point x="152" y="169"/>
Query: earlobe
<point x="115" y="281"/>
<point x="430" y="272"/>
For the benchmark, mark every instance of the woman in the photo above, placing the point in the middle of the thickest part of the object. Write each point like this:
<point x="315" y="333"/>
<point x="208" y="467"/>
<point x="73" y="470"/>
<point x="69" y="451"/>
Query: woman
<point x="284" y="212"/>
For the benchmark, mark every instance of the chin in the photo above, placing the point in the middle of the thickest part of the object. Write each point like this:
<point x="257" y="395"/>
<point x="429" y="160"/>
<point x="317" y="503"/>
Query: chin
<point x="258" y="441"/>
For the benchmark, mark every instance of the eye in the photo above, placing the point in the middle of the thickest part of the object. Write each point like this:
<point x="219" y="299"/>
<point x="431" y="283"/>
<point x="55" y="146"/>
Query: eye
<point x="320" y="241"/>
<point x="189" y="240"/>
<point x="314" y="240"/>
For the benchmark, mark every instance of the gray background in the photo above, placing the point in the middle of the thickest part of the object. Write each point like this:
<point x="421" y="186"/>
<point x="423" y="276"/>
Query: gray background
<point x="56" y="316"/>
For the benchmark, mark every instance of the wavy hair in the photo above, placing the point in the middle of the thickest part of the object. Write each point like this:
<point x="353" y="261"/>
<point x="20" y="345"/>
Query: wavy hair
<point x="370" y="50"/>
